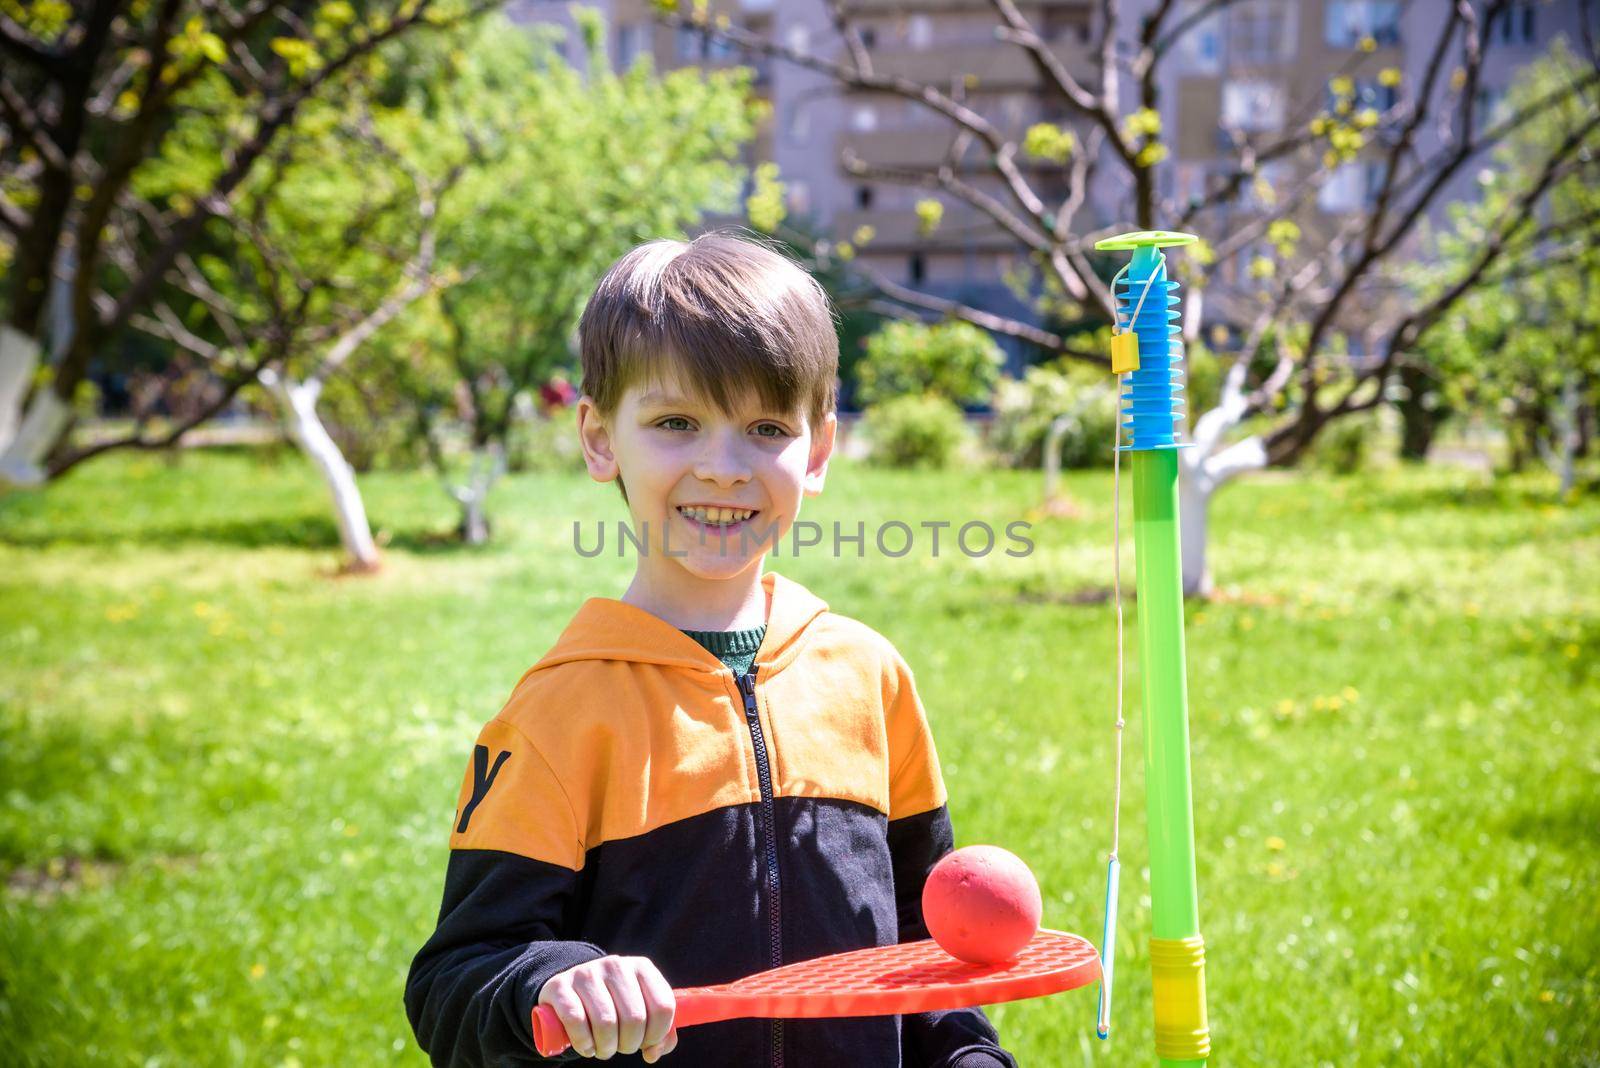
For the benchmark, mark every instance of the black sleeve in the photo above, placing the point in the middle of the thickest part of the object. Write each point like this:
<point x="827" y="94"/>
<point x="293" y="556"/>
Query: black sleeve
<point x="953" y="1038"/>
<point x="474" y="984"/>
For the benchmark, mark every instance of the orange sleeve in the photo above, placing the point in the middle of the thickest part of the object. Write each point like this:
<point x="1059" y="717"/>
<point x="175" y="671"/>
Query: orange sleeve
<point x="512" y="800"/>
<point x="915" y="784"/>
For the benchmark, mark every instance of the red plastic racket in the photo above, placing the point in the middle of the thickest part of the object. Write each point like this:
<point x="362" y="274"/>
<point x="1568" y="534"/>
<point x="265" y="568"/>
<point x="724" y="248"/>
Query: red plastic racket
<point x="876" y="981"/>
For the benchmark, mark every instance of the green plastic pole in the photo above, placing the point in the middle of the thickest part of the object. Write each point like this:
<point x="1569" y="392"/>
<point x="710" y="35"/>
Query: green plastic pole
<point x="1174" y="904"/>
<point x="1177" y="952"/>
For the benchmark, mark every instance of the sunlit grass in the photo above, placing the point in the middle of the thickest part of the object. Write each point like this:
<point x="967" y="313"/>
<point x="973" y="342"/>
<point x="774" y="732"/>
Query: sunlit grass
<point x="227" y="774"/>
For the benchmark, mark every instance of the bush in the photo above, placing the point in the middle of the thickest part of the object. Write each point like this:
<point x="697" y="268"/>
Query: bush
<point x="544" y="443"/>
<point x="1344" y="447"/>
<point x="1025" y="407"/>
<point x="915" y="431"/>
<point x="956" y="361"/>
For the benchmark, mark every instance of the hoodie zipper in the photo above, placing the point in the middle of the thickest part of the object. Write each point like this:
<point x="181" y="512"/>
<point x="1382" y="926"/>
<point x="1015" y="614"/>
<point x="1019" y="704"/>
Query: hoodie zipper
<point x="747" y="687"/>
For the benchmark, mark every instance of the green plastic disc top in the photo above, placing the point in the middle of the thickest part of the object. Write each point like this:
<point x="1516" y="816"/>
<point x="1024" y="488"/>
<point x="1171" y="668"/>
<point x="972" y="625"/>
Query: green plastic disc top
<point x="1138" y="238"/>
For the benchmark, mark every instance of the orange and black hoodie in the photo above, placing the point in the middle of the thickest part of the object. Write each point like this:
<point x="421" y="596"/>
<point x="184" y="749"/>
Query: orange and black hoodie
<point x="633" y="797"/>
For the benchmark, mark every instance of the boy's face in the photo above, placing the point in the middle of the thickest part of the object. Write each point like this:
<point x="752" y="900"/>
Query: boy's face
<point x="680" y="456"/>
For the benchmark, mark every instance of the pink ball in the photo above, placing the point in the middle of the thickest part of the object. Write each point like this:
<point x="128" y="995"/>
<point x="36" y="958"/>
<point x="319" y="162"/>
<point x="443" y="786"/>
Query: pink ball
<point x="981" y="904"/>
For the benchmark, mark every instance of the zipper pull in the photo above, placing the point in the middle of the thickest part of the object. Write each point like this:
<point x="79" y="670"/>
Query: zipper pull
<point x="747" y="687"/>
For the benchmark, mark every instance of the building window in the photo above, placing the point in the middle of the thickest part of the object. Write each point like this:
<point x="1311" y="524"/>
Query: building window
<point x="1261" y="31"/>
<point x="631" y="39"/>
<point x="1200" y="47"/>
<point x="1368" y="94"/>
<point x="690" y="45"/>
<point x="798" y="128"/>
<point x="919" y="32"/>
<point x="864" y="197"/>
<point x="1489" y="106"/>
<point x="1351" y="187"/>
<point x="1515" y="24"/>
<point x="1253" y="105"/>
<point x="1347" y="22"/>
<point x="917" y="269"/>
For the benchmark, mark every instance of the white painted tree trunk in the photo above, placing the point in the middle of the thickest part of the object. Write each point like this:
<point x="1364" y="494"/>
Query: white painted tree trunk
<point x="22" y="459"/>
<point x="1562" y="459"/>
<point x="298" y="401"/>
<point x="488" y="464"/>
<point x="19" y="355"/>
<point x="1206" y="468"/>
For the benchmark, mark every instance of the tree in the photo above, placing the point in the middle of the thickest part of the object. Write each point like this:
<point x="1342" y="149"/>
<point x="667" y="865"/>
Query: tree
<point x="575" y="170"/>
<point x="1523" y="348"/>
<point x="1291" y="375"/>
<point x="89" y="94"/>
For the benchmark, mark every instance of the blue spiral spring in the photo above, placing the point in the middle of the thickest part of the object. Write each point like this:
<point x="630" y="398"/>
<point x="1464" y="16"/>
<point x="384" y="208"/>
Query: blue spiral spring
<point x="1153" y="399"/>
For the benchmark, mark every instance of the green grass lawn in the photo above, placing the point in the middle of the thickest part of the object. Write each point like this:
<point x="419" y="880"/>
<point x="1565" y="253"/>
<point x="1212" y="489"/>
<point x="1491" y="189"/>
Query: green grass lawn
<point x="227" y="776"/>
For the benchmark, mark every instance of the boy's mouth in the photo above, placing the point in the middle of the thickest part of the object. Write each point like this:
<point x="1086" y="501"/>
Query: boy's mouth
<point x="720" y="521"/>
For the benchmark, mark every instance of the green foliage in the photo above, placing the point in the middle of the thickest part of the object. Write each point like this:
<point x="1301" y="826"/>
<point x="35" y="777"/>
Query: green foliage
<point x="953" y="360"/>
<point x="1024" y="409"/>
<point x="568" y="171"/>
<point x="1510" y="346"/>
<point x="540" y="443"/>
<point x="1345" y="447"/>
<point x="915" y="430"/>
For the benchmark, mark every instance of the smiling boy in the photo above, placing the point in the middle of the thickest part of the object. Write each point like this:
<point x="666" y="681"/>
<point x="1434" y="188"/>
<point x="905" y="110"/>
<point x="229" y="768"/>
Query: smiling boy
<point x="714" y="774"/>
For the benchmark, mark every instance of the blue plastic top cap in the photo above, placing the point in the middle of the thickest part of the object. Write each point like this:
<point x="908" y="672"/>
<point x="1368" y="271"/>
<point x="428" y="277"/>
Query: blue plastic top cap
<point x="1141" y="238"/>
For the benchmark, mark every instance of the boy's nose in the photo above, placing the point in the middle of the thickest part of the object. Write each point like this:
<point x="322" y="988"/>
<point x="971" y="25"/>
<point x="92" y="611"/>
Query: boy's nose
<point x="722" y="460"/>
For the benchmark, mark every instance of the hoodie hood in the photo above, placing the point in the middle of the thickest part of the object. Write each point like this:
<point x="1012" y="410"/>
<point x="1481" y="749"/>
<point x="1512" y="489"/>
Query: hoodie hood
<point x="605" y="628"/>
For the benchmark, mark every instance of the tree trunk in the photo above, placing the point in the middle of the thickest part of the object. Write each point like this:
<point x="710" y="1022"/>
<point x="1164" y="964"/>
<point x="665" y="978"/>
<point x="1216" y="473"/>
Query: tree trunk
<point x="1421" y="414"/>
<point x="1200" y="475"/>
<point x="298" y="401"/>
<point x="488" y="464"/>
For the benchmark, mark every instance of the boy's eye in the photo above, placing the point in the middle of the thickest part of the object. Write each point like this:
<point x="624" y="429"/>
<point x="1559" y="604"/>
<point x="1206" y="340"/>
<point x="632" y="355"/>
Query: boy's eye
<point x="777" y="431"/>
<point x="667" y="423"/>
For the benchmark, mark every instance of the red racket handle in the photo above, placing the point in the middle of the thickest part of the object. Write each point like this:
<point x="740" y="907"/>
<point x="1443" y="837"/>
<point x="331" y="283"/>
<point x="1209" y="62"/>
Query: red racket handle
<point x="550" y="1034"/>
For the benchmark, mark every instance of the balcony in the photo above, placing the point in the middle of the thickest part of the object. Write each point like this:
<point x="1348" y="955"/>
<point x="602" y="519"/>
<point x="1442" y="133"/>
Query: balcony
<point x="963" y="229"/>
<point x="998" y="66"/>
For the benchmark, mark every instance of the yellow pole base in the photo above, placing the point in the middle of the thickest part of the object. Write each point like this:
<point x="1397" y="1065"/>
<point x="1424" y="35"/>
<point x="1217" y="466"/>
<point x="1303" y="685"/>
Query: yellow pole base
<point x="1178" y="985"/>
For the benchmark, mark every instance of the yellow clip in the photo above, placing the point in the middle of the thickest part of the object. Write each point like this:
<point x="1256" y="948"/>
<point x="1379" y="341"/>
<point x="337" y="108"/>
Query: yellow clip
<point x="1124" y="352"/>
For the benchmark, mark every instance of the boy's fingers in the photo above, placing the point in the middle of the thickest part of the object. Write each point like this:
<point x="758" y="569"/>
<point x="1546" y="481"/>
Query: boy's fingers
<point x="659" y="1003"/>
<point x="574" y="1017"/>
<point x="602" y="1014"/>
<point x="622" y="980"/>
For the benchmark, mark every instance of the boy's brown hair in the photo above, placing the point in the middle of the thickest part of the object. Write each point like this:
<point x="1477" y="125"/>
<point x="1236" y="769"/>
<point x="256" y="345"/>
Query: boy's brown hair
<point x="725" y="311"/>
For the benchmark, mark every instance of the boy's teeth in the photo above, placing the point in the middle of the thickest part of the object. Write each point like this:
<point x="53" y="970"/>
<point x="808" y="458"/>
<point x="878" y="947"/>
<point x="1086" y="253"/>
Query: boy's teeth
<point x="719" y="516"/>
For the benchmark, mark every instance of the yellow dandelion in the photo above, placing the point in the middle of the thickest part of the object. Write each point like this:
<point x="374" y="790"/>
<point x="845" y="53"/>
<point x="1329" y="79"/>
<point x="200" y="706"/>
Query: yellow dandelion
<point x="1285" y="707"/>
<point x="1335" y="703"/>
<point x="1247" y="623"/>
<point x="202" y="609"/>
<point x="1572" y="651"/>
<point x="257" y="970"/>
<point x="1547" y="996"/>
<point x="1319" y="703"/>
<point x="1275" y="843"/>
<point x="1275" y="869"/>
<point x="1349" y="693"/>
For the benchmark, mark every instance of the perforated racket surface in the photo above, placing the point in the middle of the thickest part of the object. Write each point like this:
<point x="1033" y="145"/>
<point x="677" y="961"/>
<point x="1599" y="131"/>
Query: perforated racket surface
<point x="876" y="981"/>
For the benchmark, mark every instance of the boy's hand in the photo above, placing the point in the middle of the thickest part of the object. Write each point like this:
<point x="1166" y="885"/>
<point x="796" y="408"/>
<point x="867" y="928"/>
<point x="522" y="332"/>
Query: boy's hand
<point x="614" y="1005"/>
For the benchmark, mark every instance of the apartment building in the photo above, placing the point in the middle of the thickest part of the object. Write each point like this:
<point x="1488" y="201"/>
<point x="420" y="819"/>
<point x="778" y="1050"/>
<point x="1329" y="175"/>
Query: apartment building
<point x="1246" y="74"/>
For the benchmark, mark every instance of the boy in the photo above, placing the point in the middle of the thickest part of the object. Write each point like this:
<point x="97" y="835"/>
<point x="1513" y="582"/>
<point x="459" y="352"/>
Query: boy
<point x="713" y="775"/>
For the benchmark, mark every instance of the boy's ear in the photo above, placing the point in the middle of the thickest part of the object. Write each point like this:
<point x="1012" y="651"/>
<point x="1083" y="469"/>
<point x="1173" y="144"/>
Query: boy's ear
<point x="595" y="438"/>
<point x="821" y="451"/>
